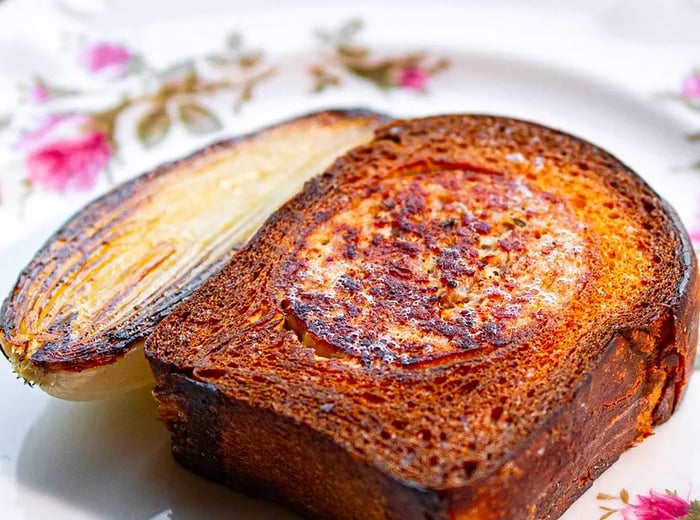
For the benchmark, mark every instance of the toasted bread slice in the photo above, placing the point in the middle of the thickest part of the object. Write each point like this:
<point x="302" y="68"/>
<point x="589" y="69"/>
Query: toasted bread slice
<point x="75" y="322"/>
<point x="469" y="317"/>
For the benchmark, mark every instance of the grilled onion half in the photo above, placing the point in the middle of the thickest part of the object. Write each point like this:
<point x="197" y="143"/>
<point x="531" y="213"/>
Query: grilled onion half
<point x="75" y="322"/>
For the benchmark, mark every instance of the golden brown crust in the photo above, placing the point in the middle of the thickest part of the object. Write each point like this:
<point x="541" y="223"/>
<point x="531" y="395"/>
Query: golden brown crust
<point x="101" y="284"/>
<point x="446" y="306"/>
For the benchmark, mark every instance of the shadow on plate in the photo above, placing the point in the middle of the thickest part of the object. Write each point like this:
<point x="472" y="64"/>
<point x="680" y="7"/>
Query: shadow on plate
<point x="112" y="459"/>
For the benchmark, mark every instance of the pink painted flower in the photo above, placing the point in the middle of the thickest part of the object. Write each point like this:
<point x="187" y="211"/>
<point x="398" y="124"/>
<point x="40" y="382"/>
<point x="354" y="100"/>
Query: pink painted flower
<point x="691" y="86"/>
<point x="49" y="129"/>
<point x="107" y="58"/>
<point x="413" y="78"/>
<point x="38" y="93"/>
<point x="694" y="234"/>
<point x="657" y="506"/>
<point x="64" y="151"/>
<point x="67" y="163"/>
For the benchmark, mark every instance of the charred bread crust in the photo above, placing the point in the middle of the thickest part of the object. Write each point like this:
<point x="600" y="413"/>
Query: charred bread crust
<point x="286" y="368"/>
<point x="55" y="344"/>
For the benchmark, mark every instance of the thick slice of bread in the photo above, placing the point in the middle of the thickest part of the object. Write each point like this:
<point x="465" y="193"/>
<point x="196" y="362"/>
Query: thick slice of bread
<point x="75" y="322"/>
<point x="470" y="317"/>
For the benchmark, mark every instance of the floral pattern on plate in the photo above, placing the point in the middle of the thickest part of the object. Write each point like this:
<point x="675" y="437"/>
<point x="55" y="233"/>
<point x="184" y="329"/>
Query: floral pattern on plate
<point x="68" y="150"/>
<point x="652" y="506"/>
<point x="346" y="56"/>
<point x="689" y="95"/>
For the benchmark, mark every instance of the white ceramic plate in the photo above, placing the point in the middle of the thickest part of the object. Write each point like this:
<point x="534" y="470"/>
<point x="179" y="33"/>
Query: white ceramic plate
<point x="597" y="69"/>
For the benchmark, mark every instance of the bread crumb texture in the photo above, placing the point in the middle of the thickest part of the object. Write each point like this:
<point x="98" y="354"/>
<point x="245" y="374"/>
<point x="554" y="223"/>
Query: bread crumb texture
<point x="440" y="295"/>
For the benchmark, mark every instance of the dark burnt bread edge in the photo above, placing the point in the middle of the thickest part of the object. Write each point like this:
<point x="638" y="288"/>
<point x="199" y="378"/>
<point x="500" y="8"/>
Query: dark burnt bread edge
<point x="367" y="492"/>
<point x="686" y="303"/>
<point x="493" y="493"/>
<point x="116" y="343"/>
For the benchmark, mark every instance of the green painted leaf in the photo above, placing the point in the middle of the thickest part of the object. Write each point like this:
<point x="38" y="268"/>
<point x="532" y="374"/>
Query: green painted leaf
<point x="624" y="496"/>
<point x="349" y="29"/>
<point x="153" y="126"/>
<point x="323" y="79"/>
<point x="198" y="119"/>
<point x="183" y="72"/>
<point x="27" y="191"/>
<point x="234" y="40"/>
<point x="324" y="36"/>
<point x="342" y="36"/>
<point x="135" y="65"/>
<point x="381" y="74"/>
<point x="218" y="60"/>
<point x="5" y="121"/>
<point x="245" y="95"/>
<point x="250" y="59"/>
<point x="694" y="512"/>
<point x="353" y="51"/>
<point x="56" y="91"/>
<point x="438" y="66"/>
<point x="692" y="103"/>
